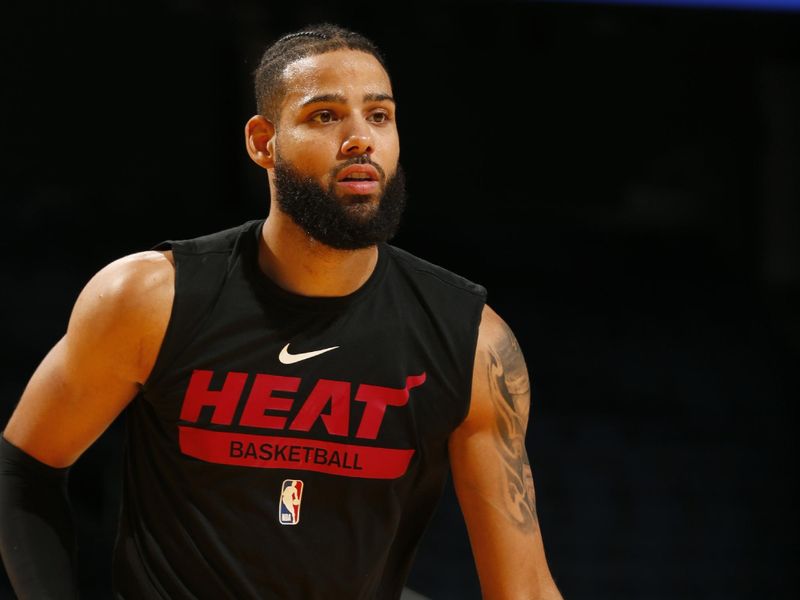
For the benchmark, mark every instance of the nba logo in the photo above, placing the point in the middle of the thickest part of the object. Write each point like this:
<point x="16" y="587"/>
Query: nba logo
<point x="289" y="505"/>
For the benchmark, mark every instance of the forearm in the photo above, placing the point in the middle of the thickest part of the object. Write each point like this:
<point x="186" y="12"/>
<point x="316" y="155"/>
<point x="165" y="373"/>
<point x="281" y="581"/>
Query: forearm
<point x="37" y="539"/>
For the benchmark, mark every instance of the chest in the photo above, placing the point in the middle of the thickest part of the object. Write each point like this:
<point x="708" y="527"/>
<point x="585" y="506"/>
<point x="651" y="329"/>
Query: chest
<point x="356" y="392"/>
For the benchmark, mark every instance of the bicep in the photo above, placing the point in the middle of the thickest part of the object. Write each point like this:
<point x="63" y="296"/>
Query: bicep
<point x="66" y="406"/>
<point x="95" y="370"/>
<point x="491" y="472"/>
<point x="490" y="458"/>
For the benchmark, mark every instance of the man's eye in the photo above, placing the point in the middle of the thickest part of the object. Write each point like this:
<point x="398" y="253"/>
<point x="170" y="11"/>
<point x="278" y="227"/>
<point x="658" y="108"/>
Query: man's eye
<point x="379" y="117"/>
<point x="323" y="116"/>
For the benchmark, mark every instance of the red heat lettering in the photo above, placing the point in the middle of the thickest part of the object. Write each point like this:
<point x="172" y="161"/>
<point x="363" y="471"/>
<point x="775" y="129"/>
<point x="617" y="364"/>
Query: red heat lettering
<point x="338" y="421"/>
<point x="378" y="398"/>
<point x="261" y="400"/>
<point x="224" y="401"/>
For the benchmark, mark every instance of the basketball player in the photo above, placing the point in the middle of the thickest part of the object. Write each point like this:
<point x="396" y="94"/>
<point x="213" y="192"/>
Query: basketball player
<point x="300" y="358"/>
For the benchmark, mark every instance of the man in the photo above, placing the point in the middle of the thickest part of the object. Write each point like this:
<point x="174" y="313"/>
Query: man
<point x="295" y="388"/>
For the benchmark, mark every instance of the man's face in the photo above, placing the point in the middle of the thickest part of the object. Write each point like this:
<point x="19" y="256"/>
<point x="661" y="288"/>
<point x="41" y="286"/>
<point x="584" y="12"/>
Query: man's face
<point x="336" y="150"/>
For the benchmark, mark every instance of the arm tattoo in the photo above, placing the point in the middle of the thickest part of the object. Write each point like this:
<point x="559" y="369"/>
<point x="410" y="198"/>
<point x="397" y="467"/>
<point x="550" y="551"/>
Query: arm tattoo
<point x="510" y="393"/>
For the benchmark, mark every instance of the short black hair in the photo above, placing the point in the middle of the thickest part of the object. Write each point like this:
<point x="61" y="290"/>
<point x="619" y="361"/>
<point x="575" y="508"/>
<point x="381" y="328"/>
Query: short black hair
<point x="315" y="39"/>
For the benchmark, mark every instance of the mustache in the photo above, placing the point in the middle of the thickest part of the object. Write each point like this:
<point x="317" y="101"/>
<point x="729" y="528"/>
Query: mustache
<point x="363" y="159"/>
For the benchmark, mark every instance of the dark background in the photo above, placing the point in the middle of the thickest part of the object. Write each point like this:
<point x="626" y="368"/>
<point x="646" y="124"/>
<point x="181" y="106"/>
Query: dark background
<point x="625" y="181"/>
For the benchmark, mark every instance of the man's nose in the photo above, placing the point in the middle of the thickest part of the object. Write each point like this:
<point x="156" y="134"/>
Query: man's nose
<point x="358" y="141"/>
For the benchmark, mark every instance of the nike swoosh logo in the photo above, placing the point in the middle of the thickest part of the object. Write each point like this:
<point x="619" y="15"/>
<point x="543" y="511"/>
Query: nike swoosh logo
<point x="290" y="359"/>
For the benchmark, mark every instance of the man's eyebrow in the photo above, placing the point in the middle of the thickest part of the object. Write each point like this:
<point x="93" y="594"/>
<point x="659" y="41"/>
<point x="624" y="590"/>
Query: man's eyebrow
<point x="378" y="98"/>
<point x="336" y="98"/>
<point x="340" y="99"/>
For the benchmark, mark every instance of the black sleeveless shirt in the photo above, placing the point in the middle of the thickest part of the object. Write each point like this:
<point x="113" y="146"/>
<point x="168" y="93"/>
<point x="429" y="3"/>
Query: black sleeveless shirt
<point x="287" y="446"/>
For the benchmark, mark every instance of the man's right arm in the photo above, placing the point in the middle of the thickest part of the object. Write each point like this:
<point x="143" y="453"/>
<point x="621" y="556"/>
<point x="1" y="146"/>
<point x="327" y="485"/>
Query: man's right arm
<point x="86" y="380"/>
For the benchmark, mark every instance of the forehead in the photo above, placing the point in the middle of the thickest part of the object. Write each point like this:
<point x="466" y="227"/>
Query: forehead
<point x="350" y="73"/>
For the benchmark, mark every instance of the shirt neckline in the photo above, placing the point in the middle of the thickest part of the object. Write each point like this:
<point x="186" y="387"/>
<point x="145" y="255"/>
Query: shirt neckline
<point x="266" y="286"/>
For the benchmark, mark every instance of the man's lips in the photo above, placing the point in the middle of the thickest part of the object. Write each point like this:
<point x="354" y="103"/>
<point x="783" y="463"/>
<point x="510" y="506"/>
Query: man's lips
<point x="358" y="179"/>
<point x="364" y="172"/>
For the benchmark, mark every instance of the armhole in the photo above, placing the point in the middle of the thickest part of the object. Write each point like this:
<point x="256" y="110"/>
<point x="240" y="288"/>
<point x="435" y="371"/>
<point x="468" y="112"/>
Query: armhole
<point x="476" y="320"/>
<point x="169" y="333"/>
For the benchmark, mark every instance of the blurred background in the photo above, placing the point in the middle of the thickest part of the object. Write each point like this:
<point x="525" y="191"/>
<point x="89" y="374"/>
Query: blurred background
<point x="623" y="178"/>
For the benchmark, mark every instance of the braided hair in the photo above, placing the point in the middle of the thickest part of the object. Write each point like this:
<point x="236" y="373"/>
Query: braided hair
<point x="316" y="39"/>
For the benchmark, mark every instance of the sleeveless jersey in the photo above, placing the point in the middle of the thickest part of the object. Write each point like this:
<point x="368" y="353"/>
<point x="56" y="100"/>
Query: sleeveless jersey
<point x="287" y="446"/>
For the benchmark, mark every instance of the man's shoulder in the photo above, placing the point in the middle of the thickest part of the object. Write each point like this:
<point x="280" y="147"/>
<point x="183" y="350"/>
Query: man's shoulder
<point x="124" y="310"/>
<point x="434" y="274"/>
<point x="132" y="280"/>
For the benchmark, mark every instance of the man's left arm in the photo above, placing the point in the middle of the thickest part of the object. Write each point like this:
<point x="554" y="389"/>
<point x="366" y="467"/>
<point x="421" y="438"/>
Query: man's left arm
<point x="492" y="475"/>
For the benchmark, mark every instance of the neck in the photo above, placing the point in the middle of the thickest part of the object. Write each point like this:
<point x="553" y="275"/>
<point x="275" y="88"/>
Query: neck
<point x="304" y="266"/>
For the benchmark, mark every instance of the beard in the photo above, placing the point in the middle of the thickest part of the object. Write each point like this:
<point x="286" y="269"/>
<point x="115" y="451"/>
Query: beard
<point x="347" y="222"/>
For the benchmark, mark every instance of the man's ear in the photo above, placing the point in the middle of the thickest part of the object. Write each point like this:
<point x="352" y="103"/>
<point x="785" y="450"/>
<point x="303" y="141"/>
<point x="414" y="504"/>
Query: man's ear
<point x="259" y="138"/>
